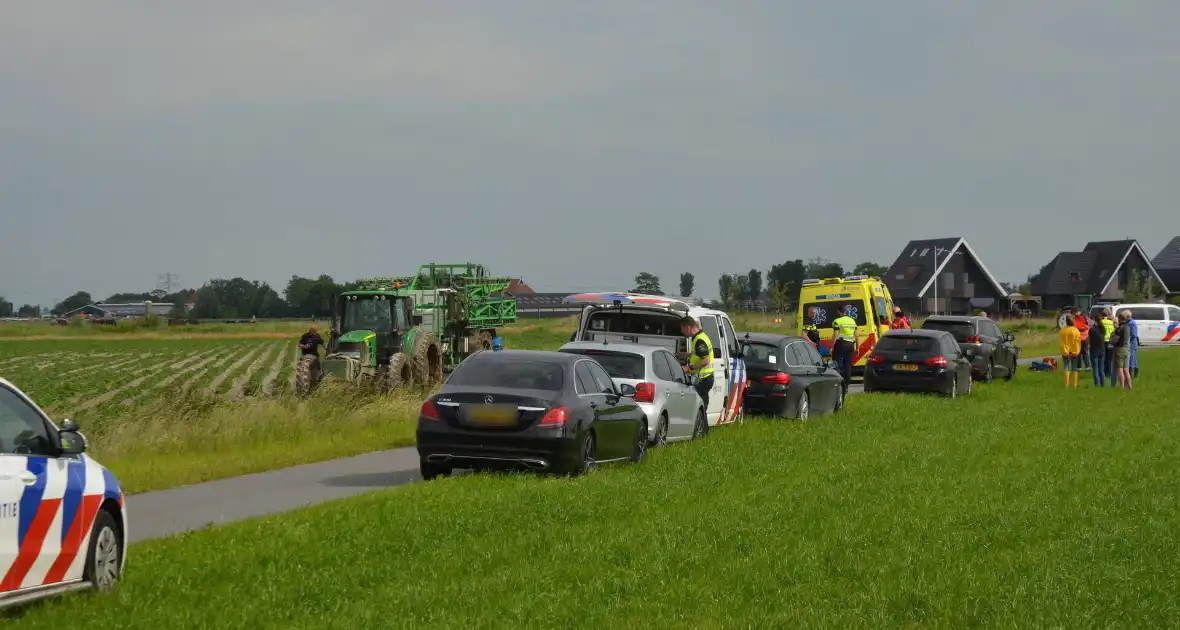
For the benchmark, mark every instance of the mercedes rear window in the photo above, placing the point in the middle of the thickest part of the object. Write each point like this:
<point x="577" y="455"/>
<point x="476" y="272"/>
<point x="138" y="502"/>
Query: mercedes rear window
<point x="960" y="330"/>
<point x="618" y="364"/>
<point x="515" y="374"/>
<point x="900" y="343"/>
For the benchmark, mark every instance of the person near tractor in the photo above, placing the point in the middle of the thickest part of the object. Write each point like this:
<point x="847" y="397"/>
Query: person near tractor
<point x="900" y="321"/>
<point x="700" y="359"/>
<point x="1083" y="325"/>
<point x="310" y="342"/>
<point x="845" y="341"/>
<point x="1071" y="348"/>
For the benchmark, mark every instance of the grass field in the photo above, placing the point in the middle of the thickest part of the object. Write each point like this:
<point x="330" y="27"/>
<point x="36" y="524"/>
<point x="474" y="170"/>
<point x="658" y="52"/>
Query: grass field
<point x="176" y="405"/>
<point x="1021" y="505"/>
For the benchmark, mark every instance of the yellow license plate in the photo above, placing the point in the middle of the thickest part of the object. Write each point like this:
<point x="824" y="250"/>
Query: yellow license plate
<point x="492" y="415"/>
<point x="906" y="367"/>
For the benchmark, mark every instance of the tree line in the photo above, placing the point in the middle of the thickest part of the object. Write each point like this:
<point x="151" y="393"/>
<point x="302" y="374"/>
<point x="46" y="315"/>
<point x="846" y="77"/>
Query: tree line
<point x="777" y="287"/>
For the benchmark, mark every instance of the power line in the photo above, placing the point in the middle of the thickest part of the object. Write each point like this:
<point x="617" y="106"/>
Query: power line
<point x="168" y="282"/>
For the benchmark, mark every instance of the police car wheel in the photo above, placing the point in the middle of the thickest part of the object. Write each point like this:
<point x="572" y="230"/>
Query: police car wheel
<point x="430" y="470"/>
<point x="103" y="559"/>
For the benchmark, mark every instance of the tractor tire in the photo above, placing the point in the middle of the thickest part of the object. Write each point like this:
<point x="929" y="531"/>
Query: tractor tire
<point x="483" y="340"/>
<point x="400" y="374"/>
<point x="426" y="358"/>
<point x="307" y="374"/>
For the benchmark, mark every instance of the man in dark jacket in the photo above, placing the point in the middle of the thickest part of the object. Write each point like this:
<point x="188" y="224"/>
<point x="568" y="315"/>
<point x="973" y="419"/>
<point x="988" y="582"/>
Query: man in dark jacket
<point x="310" y="342"/>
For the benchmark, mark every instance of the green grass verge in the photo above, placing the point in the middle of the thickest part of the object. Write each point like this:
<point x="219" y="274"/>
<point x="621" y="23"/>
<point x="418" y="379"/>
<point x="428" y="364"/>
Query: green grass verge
<point x="1021" y="505"/>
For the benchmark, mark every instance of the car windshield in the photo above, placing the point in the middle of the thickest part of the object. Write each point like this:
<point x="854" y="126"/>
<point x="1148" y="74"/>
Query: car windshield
<point x="512" y="373"/>
<point x="905" y="343"/>
<point x="961" y="330"/>
<point x="762" y="353"/>
<point x="632" y="323"/>
<point x="368" y="313"/>
<point x="618" y="364"/>
<point x="823" y="313"/>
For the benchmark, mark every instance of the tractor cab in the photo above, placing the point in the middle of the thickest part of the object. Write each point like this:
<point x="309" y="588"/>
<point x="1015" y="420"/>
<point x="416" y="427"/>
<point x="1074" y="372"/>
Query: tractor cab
<point x="371" y="324"/>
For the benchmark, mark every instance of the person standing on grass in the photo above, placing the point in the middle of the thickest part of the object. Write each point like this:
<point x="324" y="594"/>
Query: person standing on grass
<point x="1098" y="352"/>
<point x="1071" y="348"/>
<point x="1119" y="341"/>
<point x="1133" y="345"/>
<point x="700" y="359"/>
<point x="845" y="341"/>
<point x="1108" y="327"/>
<point x="1083" y="323"/>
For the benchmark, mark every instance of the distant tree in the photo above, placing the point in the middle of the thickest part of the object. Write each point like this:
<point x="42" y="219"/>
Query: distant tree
<point x="125" y="298"/>
<point x="158" y="295"/>
<point x="6" y="307"/>
<point x="742" y="282"/>
<point x="29" y="310"/>
<point x="869" y="269"/>
<point x="686" y="284"/>
<point x="753" y="284"/>
<point x="179" y="307"/>
<point x="823" y="268"/>
<point x="75" y="301"/>
<point x="780" y="298"/>
<point x="647" y="283"/>
<point x="725" y="287"/>
<point x="789" y="275"/>
<point x="1134" y="289"/>
<point x="207" y="306"/>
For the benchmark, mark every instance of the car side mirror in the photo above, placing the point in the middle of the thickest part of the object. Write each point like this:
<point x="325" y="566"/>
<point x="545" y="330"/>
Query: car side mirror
<point x="72" y="441"/>
<point x="627" y="389"/>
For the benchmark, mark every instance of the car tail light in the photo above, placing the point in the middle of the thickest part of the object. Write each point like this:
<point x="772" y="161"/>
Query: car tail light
<point x="645" y="392"/>
<point x="972" y="339"/>
<point x="778" y="378"/>
<point x="429" y="411"/>
<point x="876" y="358"/>
<point x="555" y="417"/>
<point x="938" y="361"/>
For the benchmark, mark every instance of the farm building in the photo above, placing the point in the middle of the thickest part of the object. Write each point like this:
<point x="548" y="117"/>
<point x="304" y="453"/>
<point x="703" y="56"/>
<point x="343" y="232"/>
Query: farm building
<point x="1098" y="273"/>
<point x="942" y="275"/>
<point x="1167" y="264"/>
<point x="135" y="309"/>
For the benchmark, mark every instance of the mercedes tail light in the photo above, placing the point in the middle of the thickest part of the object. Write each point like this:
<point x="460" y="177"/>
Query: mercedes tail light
<point x="938" y="361"/>
<point x="555" y="418"/>
<point x="778" y="378"/>
<point x="429" y="411"/>
<point x="645" y="392"/>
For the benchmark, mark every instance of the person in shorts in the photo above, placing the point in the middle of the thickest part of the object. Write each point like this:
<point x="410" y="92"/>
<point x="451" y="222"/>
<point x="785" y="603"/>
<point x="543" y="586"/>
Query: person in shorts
<point x="1120" y="342"/>
<point x="1071" y="350"/>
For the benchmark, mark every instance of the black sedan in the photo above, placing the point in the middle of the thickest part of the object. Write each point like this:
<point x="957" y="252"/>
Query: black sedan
<point x="788" y="377"/>
<point x="919" y="360"/>
<point x="523" y="409"/>
<point x="991" y="351"/>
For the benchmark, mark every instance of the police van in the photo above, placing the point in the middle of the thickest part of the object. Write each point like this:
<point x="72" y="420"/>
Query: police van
<point x="868" y="301"/>
<point x="655" y="321"/>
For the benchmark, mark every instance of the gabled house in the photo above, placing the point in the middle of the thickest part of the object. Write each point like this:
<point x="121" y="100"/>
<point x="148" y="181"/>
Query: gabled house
<point x="1098" y="273"/>
<point x="942" y="275"/>
<point x="1167" y="264"/>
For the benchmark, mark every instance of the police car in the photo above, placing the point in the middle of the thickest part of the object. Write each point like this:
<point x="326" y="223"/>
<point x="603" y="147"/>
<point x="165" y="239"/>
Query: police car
<point x="62" y="515"/>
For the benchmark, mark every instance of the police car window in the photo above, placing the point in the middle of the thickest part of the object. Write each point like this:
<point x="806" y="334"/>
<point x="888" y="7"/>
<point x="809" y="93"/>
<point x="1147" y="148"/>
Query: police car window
<point x="1149" y="313"/>
<point x="822" y="314"/>
<point x="1174" y="313"/>
<point x="22" y="430"/>
<point x="730" y="336"/>
<point x="709" y="325"/>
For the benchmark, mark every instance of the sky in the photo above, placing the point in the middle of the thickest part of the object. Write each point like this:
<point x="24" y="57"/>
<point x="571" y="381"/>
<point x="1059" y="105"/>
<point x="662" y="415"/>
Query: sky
<point x="573" y="144"/>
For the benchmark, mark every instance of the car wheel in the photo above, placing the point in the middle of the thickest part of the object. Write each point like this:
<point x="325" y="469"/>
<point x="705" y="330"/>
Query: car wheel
<point x="804" y="407"/>
<point x="104" y="557"/>
<point x="1011" y="371"/>
<point x="839" y="400"/>
<point x="700" y="428"/>
<point x="640" y="444"/>
<point x="990" y="374"/>
<point x="954" y="391"/>
<point x="431" y="470"/>
<point x="588" y="457"/>
<point x="661" y="438"/>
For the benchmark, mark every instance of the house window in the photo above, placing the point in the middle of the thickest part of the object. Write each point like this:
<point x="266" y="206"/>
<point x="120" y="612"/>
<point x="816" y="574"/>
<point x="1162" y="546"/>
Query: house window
<point x="1075" y="276"/>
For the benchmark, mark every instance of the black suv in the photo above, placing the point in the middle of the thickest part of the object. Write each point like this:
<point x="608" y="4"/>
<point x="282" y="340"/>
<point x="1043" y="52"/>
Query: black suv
<point x="990" y="349"/>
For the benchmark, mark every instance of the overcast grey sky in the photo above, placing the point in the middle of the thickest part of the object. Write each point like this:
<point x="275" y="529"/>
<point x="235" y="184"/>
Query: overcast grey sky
<point x="572" y="143"/>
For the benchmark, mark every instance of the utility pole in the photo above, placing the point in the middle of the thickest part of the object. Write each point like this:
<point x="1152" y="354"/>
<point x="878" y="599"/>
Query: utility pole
<point x="168" y="282"/>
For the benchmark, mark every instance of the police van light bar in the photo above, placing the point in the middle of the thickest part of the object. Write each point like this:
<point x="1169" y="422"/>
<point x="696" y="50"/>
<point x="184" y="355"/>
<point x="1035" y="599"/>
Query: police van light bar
<point x="860" y="277"/>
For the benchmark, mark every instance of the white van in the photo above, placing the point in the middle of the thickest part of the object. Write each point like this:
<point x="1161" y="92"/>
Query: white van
<point x="1158" y="324"/>
<point x="654" y="321"/>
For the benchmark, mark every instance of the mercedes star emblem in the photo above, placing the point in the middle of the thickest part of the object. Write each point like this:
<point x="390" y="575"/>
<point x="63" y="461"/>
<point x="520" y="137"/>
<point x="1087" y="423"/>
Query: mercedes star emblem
<point x="487" y="399"/>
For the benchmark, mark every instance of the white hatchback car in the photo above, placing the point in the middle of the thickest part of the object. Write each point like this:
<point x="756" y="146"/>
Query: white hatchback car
<point x="63" y="517"/>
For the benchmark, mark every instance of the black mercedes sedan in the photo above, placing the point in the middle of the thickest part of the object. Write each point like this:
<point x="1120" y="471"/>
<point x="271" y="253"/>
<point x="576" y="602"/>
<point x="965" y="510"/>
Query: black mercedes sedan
<point x="788" y="378"/>
<point x="526" y="409"/>
<point x="920" y="360"/>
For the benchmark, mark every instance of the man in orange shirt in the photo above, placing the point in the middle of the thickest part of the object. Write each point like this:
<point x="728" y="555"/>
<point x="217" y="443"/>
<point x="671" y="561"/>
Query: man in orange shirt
<point x="1083" y="324"/>
<point x="1071" y="347"/>
<point x="900" y="321"/>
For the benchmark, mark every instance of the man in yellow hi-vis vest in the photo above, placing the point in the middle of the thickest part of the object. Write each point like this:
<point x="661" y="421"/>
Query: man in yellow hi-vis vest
<point x="845" y="341"/>
<point x="700" y="360"/>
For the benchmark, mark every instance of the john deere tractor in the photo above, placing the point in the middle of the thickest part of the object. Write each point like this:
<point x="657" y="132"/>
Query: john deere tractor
<point x="400" y="331"/>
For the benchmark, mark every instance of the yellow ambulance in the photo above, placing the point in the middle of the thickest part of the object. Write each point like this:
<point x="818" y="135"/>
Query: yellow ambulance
<point x="869" y="302"/>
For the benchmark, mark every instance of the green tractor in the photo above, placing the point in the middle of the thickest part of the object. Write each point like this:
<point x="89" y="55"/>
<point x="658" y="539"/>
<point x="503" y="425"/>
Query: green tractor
<point x="397" y="332"/>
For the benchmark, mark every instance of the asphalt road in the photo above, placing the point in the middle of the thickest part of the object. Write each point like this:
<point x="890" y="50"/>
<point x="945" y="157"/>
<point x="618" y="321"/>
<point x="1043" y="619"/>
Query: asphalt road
<point x="187" y="508"/>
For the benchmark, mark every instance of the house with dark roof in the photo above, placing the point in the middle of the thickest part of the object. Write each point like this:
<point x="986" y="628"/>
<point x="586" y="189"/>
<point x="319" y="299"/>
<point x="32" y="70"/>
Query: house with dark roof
<point x="1167" y="264"/>
<point x="942" y="275"/>
<point x="1098" y="273"/>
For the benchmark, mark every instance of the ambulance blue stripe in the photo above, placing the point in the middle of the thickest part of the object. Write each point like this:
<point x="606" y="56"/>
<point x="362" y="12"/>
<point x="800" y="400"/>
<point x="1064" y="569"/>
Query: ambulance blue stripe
<point x="72" y="500"/>
<point x="112" y="486"/>
<point x="30" y="500"/>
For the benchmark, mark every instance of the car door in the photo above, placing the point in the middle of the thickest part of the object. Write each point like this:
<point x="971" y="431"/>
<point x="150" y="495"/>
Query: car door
<point x="717" y="393"/>
<point x="1172" y="326"/>
<point x="592" y="401"/>
<point x="42" y="494"/>
<point x="827" y="380"/>
<point x="954" y="355"/>
<point x="617" y="428"/>
<point x="803" y="375"/>
<point x="736" y="380"/>
<point x="682" y="400"/>
<point x="1151" y="322"/>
